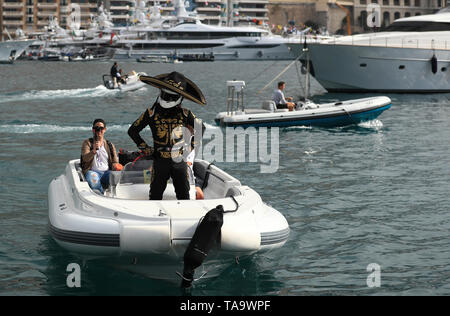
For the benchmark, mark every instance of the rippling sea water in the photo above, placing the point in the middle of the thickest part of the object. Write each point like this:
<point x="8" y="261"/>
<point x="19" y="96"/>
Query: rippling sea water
<point x="372" y="193"/>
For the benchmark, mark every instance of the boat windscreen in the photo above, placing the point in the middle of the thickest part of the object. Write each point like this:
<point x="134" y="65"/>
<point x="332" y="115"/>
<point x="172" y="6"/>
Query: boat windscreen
<point x="140" y="172"/>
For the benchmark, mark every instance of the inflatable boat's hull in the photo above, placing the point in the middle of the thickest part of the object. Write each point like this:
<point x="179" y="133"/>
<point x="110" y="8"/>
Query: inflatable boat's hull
<point x="325" y="115"/>
<point x="151" y="237"/>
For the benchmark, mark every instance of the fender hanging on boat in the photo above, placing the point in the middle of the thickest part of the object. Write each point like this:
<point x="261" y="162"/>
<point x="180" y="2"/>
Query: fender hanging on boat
<point x="434" y="64"/>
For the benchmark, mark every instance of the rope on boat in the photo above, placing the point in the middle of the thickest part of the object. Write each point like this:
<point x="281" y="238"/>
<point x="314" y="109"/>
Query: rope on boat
<point x="282" y="72"/>
<point x="188" y="280"/>
<point x="346" y="112"/>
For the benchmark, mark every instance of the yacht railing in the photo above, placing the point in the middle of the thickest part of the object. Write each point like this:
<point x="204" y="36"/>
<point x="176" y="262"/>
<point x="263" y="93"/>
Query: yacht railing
<point x="374" y="41"/>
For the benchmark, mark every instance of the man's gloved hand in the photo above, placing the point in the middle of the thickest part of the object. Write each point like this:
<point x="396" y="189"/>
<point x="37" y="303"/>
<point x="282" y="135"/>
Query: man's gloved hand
<point x="146" y="150"/>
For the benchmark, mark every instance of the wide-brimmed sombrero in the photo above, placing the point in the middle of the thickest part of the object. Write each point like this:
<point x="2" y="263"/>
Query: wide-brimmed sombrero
<point x="177" y="83"/>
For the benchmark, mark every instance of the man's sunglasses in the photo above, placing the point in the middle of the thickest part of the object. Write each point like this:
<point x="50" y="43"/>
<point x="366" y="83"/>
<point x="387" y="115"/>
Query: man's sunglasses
<point x="98" y="128"/>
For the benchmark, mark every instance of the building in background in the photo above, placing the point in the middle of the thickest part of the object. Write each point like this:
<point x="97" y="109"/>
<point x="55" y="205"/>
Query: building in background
<point x="332" y="14"/>
<point x="394" y="9"/>
<point x="34" y="15"/>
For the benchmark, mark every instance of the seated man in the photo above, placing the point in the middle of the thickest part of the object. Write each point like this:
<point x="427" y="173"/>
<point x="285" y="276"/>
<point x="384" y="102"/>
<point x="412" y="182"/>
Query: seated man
<point x="198" y="182"/>
<point x="122" y="77"/>
<point x="98" y="157"/>
<point x="280" y="101"/>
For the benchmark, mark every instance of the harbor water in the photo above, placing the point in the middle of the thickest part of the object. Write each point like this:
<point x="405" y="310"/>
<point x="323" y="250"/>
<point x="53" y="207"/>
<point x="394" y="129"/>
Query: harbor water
<point x="358" y="197"/>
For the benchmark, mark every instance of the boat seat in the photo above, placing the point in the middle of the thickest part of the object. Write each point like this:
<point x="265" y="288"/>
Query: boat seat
<point x="141" y="191"/>
<point x="201" y="173"/>
<point x="270" y="105"/>
<point x="217" y="184"/>
<point x="233" y="191"/>
<point x="80" y="172"/>
<point x="256" y="111"/>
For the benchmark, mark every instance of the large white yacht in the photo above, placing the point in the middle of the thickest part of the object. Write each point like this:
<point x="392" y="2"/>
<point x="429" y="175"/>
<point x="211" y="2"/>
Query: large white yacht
<point x="56" y="40"/>
<point x="411" y="55"/>
<point x="11" y="50"/>
<point x="186" y="34"/>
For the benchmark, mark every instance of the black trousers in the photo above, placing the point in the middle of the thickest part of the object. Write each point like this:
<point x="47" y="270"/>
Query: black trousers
<point x="282" y="106"/>
<point x="163" y="169"/>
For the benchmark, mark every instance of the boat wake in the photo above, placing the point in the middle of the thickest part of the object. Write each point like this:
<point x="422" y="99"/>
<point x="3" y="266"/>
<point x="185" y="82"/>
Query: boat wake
<point x="51" y="128"/>
<point x="374" y="124"/>
<point x="98" y="91"/>
<point x="296" y="128"/>
<point x="36" y="128"/>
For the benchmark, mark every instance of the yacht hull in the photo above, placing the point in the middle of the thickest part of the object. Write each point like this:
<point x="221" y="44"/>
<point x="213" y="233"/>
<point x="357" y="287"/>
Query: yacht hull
<point x="349" y="68"/>
<point x="11" y="50"/>
<point x="280" y="53"/>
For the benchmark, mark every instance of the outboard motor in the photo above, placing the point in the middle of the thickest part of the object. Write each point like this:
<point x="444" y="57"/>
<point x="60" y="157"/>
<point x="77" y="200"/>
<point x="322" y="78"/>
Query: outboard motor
<point x="205" y="237"/>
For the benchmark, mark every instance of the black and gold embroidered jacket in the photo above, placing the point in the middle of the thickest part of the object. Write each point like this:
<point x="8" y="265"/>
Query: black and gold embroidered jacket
<point x="165" y="124"/>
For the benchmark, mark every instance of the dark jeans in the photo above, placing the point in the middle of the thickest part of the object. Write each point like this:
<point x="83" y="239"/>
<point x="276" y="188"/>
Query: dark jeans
<point x="282" y="106"/>
<point x="163" y="169"/>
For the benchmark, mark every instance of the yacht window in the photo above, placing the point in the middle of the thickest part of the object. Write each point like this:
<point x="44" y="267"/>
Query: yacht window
<point x="418" y="26"/>
<point x="174" y="35"/>
<point x="401" y="67"/>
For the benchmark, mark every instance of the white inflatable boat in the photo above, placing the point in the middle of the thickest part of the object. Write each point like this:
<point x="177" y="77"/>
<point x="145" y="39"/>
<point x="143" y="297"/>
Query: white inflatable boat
<point x="151" y="237"/>
<point x="305" y="113"/>
<point x="131" y="83"/>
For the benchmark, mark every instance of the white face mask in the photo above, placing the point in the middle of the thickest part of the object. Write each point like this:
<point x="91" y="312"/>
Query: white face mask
<point x="169" y="104"/>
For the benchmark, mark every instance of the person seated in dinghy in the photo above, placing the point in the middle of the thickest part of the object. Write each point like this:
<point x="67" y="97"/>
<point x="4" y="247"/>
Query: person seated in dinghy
<point x="280" y="101"/>
<point x="98" y="158"/>
<point x="168" y="121"/>
<point x="198" y="182"/>
<point x="122" y="78"/>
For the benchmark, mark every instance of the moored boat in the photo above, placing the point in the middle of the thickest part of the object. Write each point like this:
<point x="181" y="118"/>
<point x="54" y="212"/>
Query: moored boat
<point x="159" y="59"/>
<point x="409" y="56"/>
<point x="11" y="50"/>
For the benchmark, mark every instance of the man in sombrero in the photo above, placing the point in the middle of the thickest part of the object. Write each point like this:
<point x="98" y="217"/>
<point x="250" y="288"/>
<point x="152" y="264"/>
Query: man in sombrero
<point x="167" y="119"/>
